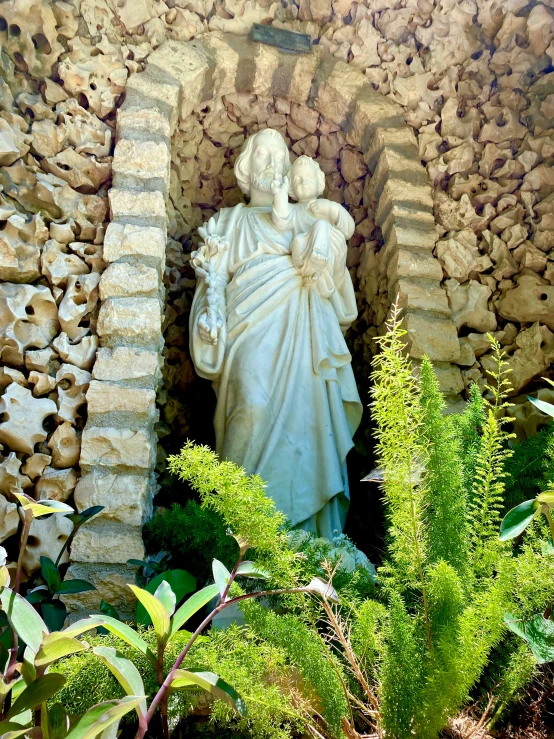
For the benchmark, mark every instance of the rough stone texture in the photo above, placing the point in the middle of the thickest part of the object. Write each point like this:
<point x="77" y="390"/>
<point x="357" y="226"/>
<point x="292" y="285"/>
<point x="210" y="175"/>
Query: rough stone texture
<point x="111" y="583"/>
<point x="126" y="498"/>
<point x="130" y="321"/>
<point x="432" y="338"/>
<point x="129" y="365"/>
<point x="141" y="164"/>
<point x="106" y="400"/>
<point x="134" y="241"/>
<point x="137" y="208"/>
<point x="122" y="280"/>
<point x="107" y="542"/>
<point x="116" y="448"/>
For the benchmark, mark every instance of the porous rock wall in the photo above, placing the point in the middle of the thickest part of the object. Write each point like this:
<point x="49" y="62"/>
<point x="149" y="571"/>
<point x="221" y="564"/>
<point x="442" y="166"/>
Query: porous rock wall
<point x="474" y="80"/>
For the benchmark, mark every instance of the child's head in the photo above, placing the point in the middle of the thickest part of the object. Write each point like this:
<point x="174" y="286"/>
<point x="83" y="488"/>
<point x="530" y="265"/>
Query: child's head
<point x="307" y="180"/>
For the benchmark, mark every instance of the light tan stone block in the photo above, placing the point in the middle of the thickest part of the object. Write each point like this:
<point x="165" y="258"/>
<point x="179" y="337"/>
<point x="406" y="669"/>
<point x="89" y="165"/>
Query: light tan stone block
<point x="141" y="208"/>
<point x="142" y="160"/>
<point x="188" y="65"/>
<point x="146" y="121"/>
<point x="165" y="92"/>
<point x="105" y="397"/>
<point x="438" y="339"/>
<point x="130" y="321"/>
<point x="267" y="61"/>
<point x="421" y="295"/>
<point x="107" y="541"/>
<point x="134" y="241"/>
<point x="226" y="63"/>
<point x="406" y="263"/>
<point x="123" y="280"/>
<point x="338" y="91"/>
<point x="370" y="109"/>
<point x="127" y="364"/>
<point x="303" y="75"/>
<point x="111" y="583"/>
<point x="126" y="498"/>
<point x="110" y="447"/>
<point x="450" y="380"/>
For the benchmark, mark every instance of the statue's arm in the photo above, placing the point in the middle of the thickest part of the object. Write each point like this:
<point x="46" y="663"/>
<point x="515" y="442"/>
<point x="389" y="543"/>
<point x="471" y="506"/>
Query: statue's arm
<point x="208" y="316"/>
<point x="281" y="212"/>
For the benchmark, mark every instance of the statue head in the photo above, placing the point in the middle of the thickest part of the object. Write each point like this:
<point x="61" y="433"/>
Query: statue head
<point x="307" y="180"/>
<point x="264" y="156"/>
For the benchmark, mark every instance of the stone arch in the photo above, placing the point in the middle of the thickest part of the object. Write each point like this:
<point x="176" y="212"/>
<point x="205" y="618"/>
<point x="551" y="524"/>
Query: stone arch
<point x="119" y="443"/>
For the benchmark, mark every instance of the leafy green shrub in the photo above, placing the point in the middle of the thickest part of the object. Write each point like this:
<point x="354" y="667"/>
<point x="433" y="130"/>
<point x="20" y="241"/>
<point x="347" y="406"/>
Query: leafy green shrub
<point x="447" y="579"/>
<point x="258" y="671"/>
<point x="530" y="468"/>
<point x="193" y="536"/>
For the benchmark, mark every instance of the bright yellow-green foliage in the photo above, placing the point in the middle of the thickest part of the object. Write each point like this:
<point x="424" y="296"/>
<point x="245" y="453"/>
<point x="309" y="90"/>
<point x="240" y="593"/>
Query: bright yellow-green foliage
<point x="447" y="580"/>
<point x="398" y="415"/>
<point x="259" y="672"/>
<point x="241" y="501"/>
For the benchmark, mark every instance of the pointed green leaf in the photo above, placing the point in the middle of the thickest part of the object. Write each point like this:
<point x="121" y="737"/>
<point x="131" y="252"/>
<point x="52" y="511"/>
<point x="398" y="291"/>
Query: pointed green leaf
<point x="125" y="632"/>
<point x="156" y="611"/>
<point x="74" y="586"/>
<point x="10" y="726"/>
<point x="515" y="624"/>
<point x="181" y="582"/>
<point x="221" y="575"/>
<point x="125" y="672"/>
<point x="210" y="682"/>
<point x="251" y="569"/>
<point x="42" y="507"/>
<point x="23" y="618"/>
<point x="15" y="733"/>
<point x="540" y="635"/>
<point x="78" y="519"/>
<point x="54" y="614"/>
<point x="547" y="408"/>
<point x="166" y="596"/>
<point x="84" y="624"/>
<point x="191" y="606"/>
<point x="58" y="722"/>
<point x="51" y="574"/>
<point x="55" y="646"/>
<point x="538" y="632"/>
<point x="36" y="693"/>
<point x="98" y="718"/>
<point x="517" y="520"/>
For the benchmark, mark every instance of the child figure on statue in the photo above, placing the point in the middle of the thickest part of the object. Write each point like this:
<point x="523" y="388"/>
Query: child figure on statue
<point x="320" y="226"/>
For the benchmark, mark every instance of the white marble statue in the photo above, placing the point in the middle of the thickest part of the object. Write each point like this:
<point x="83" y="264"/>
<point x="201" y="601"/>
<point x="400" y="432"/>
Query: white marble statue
<point x="272" y="301"/>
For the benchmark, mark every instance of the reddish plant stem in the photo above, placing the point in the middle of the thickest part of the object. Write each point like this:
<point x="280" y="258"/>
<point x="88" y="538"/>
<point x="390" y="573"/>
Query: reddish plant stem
<point x="162" y="692"/>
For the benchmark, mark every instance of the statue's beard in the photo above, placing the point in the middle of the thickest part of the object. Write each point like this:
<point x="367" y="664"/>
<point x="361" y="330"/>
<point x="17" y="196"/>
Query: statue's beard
<point x="261" y="183"/>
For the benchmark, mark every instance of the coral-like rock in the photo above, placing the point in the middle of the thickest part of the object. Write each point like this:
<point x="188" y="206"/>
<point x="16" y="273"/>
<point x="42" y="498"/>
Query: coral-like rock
<point x="24" y="416"/>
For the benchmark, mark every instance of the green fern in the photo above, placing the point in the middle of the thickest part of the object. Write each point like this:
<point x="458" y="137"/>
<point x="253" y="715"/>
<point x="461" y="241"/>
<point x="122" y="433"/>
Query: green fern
<point x="487" y="498"/>
<point x="240" y="500"/>
<point x="402" y="456"/>
<point x="445" y="514"/>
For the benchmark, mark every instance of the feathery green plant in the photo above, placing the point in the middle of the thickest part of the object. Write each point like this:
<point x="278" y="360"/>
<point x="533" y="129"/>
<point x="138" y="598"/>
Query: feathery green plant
<point x="446" y="581"/>
<point x="446" y="506"/>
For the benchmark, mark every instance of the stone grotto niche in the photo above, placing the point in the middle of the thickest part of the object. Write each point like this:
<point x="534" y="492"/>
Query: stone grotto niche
<point x="204" y="149"/>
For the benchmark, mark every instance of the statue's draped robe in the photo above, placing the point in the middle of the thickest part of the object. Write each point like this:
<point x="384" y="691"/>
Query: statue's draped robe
<point x="287" y="402"/>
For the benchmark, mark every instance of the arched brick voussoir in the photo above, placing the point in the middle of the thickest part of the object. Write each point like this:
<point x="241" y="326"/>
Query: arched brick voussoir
<point x="219" y="64"/>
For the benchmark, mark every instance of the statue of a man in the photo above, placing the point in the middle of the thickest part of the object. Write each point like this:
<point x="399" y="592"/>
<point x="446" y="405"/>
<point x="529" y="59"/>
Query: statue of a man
<point x="272" y="301"/>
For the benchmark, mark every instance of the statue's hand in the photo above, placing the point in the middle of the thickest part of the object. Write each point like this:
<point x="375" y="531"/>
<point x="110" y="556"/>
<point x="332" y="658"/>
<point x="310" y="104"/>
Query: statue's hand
<point x="280" y="186"/>
<point x="320" y="209"/>
<point x="209" y="332"/>
<point x="319" y="260"/>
